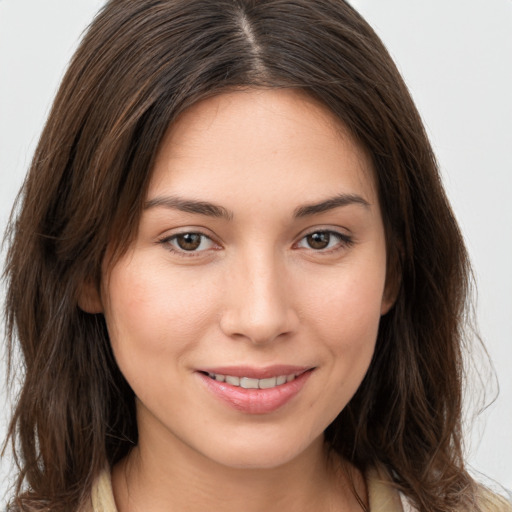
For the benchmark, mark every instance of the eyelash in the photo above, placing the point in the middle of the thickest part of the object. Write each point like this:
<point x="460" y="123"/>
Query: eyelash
<point x="343" y="242"/>
<point x="168" y="242"/>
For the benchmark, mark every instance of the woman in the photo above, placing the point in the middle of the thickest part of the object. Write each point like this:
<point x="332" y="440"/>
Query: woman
<point x="234" y="274"/>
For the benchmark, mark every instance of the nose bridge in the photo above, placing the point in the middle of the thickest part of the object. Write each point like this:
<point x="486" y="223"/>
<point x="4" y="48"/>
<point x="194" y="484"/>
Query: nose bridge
<point x="258" y="304"/>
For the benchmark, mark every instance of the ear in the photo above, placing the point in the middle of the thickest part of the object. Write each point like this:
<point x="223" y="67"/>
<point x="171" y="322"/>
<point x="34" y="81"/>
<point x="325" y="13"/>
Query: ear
<point x="388" y="299"/>
<point x="393" y="281"/>
<point x="89" y="298"/>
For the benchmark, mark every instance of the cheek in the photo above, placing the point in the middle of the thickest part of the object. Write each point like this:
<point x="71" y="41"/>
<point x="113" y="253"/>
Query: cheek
<point x="345" y="320"/>
<point x="348" y="308"/>
<point x="150" y="321"/>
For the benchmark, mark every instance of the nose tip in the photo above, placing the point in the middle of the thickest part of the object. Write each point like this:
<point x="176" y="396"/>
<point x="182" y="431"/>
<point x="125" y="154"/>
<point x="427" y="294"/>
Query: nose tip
<point x="256" y="327"/>
<point x="258" y="307"/>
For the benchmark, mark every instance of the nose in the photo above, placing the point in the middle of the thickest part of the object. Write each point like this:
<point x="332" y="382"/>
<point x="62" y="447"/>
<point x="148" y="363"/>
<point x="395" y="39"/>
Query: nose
<point x="258" y="301"/>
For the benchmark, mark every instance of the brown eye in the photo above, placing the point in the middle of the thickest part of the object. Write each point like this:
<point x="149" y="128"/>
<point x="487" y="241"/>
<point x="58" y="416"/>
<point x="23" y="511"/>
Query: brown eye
<point x="189" y="241"/>
<point x="325" y="241"/>
<point x="318" y="240"/>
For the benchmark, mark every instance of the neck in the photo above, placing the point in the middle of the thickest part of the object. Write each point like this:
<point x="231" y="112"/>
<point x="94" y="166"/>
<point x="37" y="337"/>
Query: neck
<point x="179" y="478"/>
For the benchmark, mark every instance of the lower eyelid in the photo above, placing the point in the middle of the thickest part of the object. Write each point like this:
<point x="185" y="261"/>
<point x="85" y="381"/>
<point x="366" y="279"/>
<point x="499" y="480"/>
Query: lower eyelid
<point x="342" y="238"/>
<point x="170" y="244"/>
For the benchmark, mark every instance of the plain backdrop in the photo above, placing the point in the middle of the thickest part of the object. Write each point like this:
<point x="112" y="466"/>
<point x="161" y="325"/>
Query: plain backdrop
<point x="455" y="56"/>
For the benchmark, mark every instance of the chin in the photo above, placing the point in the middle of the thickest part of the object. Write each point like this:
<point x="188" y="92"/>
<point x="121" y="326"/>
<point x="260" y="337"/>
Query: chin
<point x="262" y="454"/>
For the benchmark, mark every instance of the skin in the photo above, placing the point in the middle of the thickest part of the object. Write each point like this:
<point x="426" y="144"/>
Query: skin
<point x="254" y="292"/>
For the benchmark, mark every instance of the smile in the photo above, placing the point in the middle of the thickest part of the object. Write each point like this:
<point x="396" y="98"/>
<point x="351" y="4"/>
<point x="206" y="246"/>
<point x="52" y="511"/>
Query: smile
<point x="255" y="391"/>
<point x="250" y="383"/>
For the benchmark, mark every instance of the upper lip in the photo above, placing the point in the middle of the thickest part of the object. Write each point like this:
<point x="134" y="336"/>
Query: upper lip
<point x="257" y="373"/>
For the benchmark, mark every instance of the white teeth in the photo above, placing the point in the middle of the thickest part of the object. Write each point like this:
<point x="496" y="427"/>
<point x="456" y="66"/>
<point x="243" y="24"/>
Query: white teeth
<point x="268" y="383"/>
<point x="234" y="381"/>
<point x="247" y="383"/>
<point x="250" y="383"/>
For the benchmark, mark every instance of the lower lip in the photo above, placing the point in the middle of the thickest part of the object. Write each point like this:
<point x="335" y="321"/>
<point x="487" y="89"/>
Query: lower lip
<point x="256" y="401"/>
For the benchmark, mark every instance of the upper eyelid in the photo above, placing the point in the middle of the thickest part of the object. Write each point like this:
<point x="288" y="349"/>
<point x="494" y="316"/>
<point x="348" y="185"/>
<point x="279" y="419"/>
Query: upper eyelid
<point x="166" y="239"/>
<point x="344" y="238"/>
<point x="172" y="248"/>
<point x="342" y="232"/>
<point x="170" y="233"/>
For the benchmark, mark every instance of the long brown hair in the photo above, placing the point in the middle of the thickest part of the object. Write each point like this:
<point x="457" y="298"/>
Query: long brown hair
<point x="142" y="63"/>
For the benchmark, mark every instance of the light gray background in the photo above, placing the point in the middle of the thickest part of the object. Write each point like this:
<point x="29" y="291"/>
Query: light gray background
<point x="456" y="57"/>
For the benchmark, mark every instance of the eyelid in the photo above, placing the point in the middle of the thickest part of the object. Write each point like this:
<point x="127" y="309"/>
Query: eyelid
<point x="167" y="238"/>
<point x="345" y="240"/>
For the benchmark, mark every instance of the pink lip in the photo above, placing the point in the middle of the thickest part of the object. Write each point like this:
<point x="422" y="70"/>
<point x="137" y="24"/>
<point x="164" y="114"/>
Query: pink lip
<point x="256" y="401"/>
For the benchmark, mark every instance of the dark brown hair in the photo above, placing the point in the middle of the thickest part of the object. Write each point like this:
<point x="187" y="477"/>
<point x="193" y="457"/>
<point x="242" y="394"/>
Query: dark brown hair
<point x="142" y="63"/>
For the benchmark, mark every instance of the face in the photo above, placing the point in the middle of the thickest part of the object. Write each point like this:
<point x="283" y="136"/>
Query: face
<point x="245" y="313"/>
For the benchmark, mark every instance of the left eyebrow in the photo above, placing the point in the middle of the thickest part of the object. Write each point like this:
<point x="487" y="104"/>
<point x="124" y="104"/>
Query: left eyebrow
<point x="189" y="206"/>
<point x="330" y="204"/>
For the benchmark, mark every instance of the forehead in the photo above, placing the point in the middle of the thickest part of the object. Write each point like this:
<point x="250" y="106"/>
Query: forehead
<point x="258" y="138"/>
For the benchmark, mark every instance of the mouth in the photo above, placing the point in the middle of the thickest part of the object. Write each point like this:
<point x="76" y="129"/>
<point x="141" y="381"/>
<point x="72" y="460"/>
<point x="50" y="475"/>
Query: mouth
<point x="256" y="391"/>
<point x="254" y="383"/>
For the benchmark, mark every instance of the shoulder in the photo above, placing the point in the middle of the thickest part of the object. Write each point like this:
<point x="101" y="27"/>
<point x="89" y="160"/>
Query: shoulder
<point x="102" y="496"/>
<point x="382" y="494"/>
<point x="385" y="497"/>
<point x="491" y="502"/>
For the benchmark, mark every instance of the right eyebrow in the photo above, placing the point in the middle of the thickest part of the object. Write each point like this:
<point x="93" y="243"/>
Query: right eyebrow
<point x="189" y="206"/>
<point x="330" y="204"/>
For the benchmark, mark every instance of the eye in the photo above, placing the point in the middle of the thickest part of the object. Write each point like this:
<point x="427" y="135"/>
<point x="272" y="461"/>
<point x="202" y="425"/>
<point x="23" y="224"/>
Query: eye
<point x="189" y="242"/>
<point x="324" y="240"/>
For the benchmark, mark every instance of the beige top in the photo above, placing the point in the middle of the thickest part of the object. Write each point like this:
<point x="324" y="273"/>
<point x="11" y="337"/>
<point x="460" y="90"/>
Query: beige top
<point x="382" y="496"/>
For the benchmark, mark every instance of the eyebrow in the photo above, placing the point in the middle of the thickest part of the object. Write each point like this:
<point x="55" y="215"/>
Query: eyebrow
<point x="189" y="206"/>
<point x="330" y="204"/>
<point x="214" y="210"/>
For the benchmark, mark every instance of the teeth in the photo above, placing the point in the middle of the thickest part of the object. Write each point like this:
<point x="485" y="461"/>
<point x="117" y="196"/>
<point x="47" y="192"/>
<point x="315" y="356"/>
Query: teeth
<point x="267" y="383"/>
<point x="249" y="383"/>
<point x="234" y="381"/>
